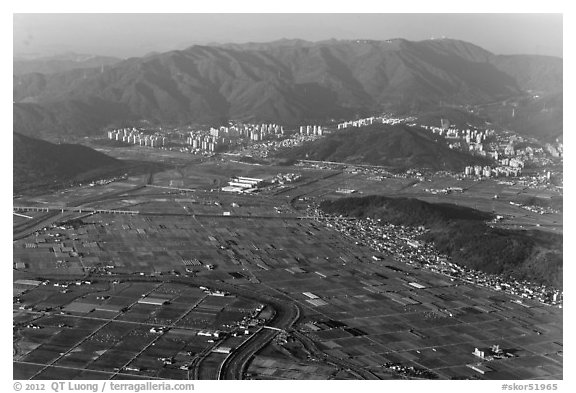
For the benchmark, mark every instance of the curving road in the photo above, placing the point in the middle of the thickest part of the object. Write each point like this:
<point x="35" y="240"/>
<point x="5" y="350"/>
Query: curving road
<point x="286" y="315"/>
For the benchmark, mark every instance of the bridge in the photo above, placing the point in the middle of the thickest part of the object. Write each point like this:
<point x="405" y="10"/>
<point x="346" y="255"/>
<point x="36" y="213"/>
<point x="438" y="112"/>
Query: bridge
<point x="274" y="328"/>
<point x="62" y="209"/>
<point x="71" y="209"/>
<point x="22" y="215"/>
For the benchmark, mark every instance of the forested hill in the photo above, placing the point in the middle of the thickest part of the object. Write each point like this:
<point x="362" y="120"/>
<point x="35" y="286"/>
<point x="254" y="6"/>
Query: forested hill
<point x="38" y="163"/>
<point x="398" y="146"/>
<point x="402" y="211"/>
<point x="463" y="234"/>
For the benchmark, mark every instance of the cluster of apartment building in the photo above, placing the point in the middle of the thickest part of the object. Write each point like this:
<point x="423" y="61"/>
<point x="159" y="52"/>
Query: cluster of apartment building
<point x="226" y="135"/>
<point x="473" y="140"/>
<point x="203" y="142"/>
<point x="468" y="135"/>
<point x="555" y="151"/>
<point x="311" y="130"/>
<point x="488" y="171"/>
<point x="136" y="137"/>
<point x="528" y="152"/>
<point x="511" y="155"/>
<point x="512" y="162"/>
<point x="504" y="148"/>
<point x="509" y="151"/>
<point x="384" y="119"/>
<point x="526" y="149"/>
<point x="253" y="132"/>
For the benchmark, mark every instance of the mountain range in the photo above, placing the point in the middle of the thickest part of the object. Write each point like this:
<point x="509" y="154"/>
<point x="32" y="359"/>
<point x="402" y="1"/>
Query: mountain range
<point x="288" y="82"/>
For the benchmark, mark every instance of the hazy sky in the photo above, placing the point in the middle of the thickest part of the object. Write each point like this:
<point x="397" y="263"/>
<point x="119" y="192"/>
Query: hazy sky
<point x="127" y="35"/>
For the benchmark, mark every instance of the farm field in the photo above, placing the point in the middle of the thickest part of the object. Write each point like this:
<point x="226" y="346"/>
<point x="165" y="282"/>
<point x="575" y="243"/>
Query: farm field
<point x="114" y="330"/>
<point x="130" y="301"/>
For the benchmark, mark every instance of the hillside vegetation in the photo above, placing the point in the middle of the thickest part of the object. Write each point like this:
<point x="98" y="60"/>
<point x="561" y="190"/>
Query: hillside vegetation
<point x="287" y="82"/>
<point x="398" y="146"/>
<point x="37" y="163"/>
<point x="463" y="234"/>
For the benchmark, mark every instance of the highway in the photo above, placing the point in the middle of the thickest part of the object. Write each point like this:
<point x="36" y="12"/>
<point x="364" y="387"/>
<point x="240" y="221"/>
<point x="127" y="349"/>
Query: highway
<point x="29" y="227"/>
<point x="53" y="211"/>
<point x="73" y="209"/>
<point x="287" y="314"/>
<point x="234" y="366"/>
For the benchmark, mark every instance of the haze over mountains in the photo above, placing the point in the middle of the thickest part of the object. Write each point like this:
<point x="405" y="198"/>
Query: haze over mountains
<point x="397" y="146"/>
<point x="287" y="82"/>
<point x="60" y="63"/>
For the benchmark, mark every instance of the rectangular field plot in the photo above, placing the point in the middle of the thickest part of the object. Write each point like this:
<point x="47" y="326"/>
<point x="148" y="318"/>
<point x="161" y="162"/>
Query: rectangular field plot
<point x="112" y="360"/>
<point x="22" y="371"/>
<point x="80" y="339"/>
<point x="355" y="304"/>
